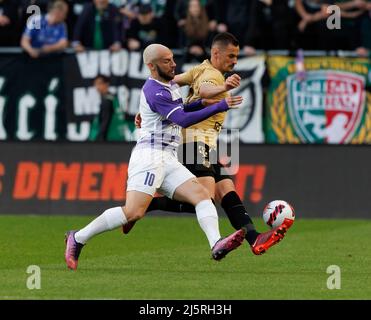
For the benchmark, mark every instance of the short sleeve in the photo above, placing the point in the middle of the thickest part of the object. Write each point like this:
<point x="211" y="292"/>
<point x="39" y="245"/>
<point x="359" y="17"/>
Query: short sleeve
<point x="185" y="78"/>
<point x="210" y="77"/>
<point x="32" y="26"/>
<point x="63" y="32"/>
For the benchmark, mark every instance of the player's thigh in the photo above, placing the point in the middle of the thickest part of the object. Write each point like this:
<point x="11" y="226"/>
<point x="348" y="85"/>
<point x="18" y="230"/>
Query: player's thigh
<point x="145" y="172"/>
<point x="136" y="204"/>
<point x="191" y="191"/>
<point x="180" y="184"/>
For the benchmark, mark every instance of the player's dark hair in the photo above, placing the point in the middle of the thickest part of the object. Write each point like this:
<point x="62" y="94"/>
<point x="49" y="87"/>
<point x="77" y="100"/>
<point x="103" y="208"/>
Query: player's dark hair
<point x="224" y="39"/>
<point x="104" y="78"/>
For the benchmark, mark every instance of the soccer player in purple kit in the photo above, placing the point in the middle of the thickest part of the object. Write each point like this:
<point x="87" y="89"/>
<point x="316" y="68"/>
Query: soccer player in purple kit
<point x="154" y="165"/>
<point x="207" y="81"/>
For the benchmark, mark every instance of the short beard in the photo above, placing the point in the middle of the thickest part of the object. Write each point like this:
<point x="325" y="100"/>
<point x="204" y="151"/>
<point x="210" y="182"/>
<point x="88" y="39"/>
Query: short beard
<point x="163" y="75"/>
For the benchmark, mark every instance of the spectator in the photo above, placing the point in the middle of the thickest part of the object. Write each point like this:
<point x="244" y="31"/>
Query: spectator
<point x="112" y="123"/>
<point x="270" y="26"/>
<point x="170" y="34"/>
<point x="144" y="30"/>
<point x="315" y="33"/>
<point x="129" y="11"/>
<point x="365" y="48"/>
<point x="75" y="9"/>
<point x="312" y="32"/>
<point x="46" y="34"/>
<point x="233" y="16"/>
<point x="98" y="27"/>
<point x="195" y="32"/>
<point x="130" y="8"/>
<point x="181" y="9"/>
<point x="101" y="122"/>
<point x="26" y="13"/>
<point x="8" y="20"/>
<point x="357" y="23"/>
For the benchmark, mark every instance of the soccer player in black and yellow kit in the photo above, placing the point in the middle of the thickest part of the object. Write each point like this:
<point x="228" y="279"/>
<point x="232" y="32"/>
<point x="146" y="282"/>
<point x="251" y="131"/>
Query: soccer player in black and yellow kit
<point x="207" y="81"/>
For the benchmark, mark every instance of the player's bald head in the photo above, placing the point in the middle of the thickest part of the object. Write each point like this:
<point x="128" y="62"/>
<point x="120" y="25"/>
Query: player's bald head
<point x="154" y="52"/>
<point x="160" y="62"/>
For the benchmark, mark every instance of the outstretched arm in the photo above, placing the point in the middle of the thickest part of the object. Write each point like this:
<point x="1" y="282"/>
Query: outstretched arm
<point x="164" y="105"/>
<point x="186" y="119"/>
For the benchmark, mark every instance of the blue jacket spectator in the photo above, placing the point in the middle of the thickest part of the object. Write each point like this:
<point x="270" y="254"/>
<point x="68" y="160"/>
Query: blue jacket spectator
<point x="98" y="27"/>
<point x="46" y="34"/>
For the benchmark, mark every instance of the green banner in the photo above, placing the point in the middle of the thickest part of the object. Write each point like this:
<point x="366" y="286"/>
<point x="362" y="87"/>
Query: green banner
<point x="330" y="104"/>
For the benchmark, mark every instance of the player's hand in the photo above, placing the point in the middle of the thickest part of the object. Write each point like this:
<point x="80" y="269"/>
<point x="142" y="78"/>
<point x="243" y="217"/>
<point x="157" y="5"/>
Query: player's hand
<point x="233" y="101"/>
<point x="138" y="121"/>
<point x="232" y="82"/>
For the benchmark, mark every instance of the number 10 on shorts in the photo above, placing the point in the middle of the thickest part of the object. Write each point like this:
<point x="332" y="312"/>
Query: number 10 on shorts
<point x="150" y="178"/>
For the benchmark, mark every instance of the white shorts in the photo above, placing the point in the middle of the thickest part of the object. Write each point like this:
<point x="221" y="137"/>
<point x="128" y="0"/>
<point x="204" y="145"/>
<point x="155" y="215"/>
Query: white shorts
<point x="151" y="170"/>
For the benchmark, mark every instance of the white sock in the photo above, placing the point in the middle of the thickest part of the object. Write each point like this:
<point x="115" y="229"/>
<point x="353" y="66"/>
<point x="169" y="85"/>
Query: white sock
<point x="110" y="219"/>
<point x="208" y="219"/>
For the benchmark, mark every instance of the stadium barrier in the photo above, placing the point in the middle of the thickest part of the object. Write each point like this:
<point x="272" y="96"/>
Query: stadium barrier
<point x="86" y="178"/>
<point x="53" y="98"/>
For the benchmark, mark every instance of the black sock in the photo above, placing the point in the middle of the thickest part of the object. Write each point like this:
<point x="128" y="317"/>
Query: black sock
<point x="238" y="216"/>
<point x="167" y="204"/>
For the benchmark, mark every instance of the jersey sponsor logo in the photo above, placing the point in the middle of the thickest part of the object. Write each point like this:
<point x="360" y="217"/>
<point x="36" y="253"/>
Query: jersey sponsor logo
<point x="218" y="126"/>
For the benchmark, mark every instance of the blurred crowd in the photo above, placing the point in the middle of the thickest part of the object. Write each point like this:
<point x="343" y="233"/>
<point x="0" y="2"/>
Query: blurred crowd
<point x="185" y="24"/>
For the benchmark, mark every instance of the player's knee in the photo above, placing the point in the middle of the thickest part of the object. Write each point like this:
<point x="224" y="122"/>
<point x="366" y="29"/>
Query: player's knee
<point x="133" y="214"/>
<point x="219" y="194"/>
<point x="202" y="193"/>
<point x="223" y="188"/>
<point x="137" y="216"/>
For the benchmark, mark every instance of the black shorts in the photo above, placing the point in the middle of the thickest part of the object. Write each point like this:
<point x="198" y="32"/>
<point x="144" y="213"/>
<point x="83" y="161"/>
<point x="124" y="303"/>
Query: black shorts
<point x="202" y="161"/>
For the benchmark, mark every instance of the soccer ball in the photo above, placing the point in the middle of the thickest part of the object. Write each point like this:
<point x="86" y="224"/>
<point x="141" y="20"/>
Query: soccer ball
<point x="275" y="212"/>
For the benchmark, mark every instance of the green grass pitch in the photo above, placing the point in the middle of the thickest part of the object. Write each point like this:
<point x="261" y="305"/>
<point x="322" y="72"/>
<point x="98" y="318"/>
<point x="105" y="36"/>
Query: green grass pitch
<point x="169" y="258"/>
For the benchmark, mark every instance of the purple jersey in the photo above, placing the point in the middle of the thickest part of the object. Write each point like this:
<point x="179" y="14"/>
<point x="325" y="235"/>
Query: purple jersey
<point x="157" y="102"/>
<point x="163" y="114"/>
